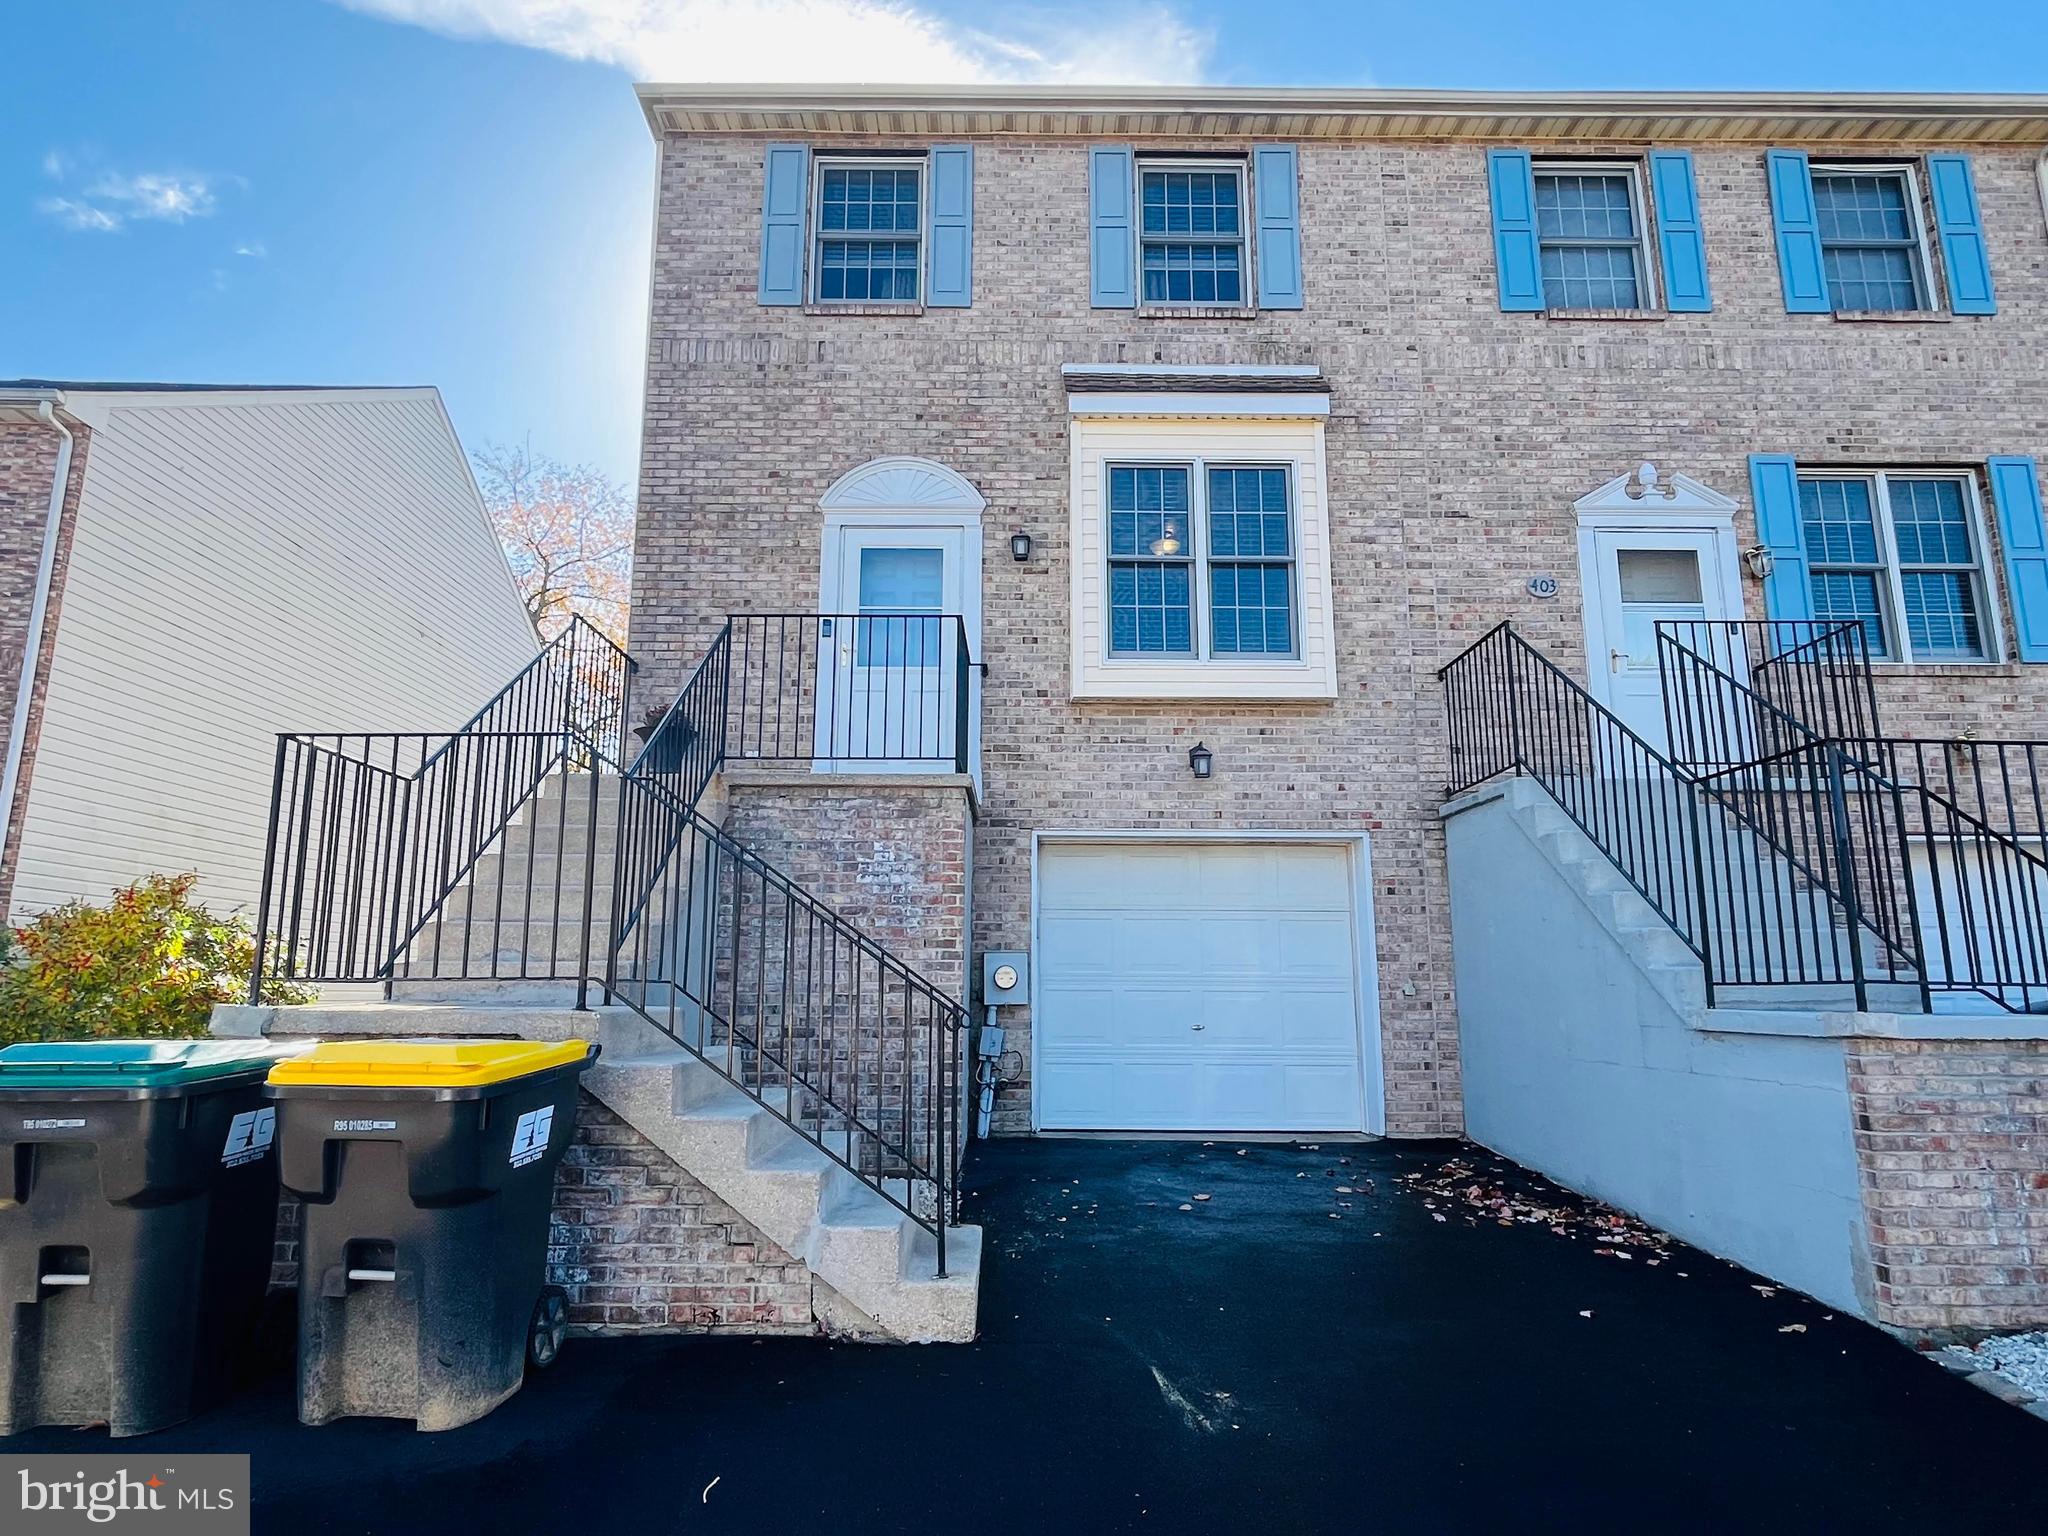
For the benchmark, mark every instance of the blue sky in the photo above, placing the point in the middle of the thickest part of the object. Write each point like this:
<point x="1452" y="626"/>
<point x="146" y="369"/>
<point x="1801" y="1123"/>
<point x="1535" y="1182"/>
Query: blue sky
<point x="457" y="192"/>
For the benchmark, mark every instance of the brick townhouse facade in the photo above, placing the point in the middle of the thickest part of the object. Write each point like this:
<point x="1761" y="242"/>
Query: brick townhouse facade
<point x="1436" y="336"/>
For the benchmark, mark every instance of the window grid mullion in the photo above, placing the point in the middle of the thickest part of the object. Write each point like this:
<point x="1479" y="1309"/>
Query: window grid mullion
<point x="1895" y="585"/>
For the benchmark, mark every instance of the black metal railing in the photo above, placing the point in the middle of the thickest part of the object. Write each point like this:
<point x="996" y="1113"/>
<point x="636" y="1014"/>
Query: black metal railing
<point x="1827" y="855"/>
<point x="479" y="854"/>
<point x="788" y="999"/>
<point x="1761" y="884"/>
<point x="1979" y="846"/>
<point x="793" y="1002"/>
<point x="404" y="856"/>
<point x="849" y="688"/>
<point x="1814" y="672"/>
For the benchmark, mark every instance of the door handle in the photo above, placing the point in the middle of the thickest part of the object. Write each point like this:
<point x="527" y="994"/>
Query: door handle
<point x="1617" y="660"/>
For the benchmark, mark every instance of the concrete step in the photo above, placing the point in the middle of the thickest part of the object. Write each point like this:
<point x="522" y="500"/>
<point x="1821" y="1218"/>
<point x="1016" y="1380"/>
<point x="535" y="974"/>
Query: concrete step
<point x="865" y="1249"/>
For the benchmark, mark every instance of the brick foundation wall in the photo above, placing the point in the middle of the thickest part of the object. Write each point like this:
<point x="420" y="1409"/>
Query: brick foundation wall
<point x="641" y="1246"/>
<point x="28" y="461"/>
<point x="1458" y="440"/>
<point x="1952" y="1143"/>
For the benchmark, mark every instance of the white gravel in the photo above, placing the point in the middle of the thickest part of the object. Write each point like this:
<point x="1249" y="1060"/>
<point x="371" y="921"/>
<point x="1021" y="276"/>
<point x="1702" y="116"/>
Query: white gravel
<point x="2021" y="1358"/>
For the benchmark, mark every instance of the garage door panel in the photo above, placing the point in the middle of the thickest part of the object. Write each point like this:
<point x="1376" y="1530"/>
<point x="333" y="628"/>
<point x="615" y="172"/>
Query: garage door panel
<point x="1140" y="944"/>
<point x="1150" y="1016"/>
<point x="1245" y="944"/>
<point x="1151" y="946"/>
<point x="1311" y="946"/>
<point x="1320" y="1021"/>
<point x="1077" y="946"/>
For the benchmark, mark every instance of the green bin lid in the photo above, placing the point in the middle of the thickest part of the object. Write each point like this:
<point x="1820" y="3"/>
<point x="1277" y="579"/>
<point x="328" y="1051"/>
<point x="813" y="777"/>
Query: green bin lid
<point x="136" y="1063"/>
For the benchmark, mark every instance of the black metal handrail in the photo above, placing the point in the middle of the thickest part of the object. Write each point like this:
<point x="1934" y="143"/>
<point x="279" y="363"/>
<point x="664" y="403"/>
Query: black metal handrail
<point x="852" y="689"/>
<point x="1975" y="813"/>
<point x="1813" y="671"/>
<point x="1756" y="909"/>
<point x="1839" y="877"/>
<point x="865" y="1051"/>
<point x="435" y="856"/>
<point x="376" y="838"/>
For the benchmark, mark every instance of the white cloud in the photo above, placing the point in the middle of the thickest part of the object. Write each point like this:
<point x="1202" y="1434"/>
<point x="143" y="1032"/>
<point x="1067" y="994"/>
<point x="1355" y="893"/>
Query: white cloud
<point x="156" y="196"/>
<point x="829" y="40"/>
<point x="112" y="200"/>
<point x="73" y="214"/>
<point x="255" y="248"/>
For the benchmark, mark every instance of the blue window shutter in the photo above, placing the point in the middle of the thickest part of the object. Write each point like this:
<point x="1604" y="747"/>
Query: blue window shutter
<point x="1962" y="235"/>
<point x="1774" y="484"/>
<point x="782" y="224"/>
<point x="1513" y="189"/>
<point x="1112" y="253"/>
<point x="950" y="281"/>
<point x="2016" y="493"/>
<point x="1680" y="239"/>
<point x="1277" y="189"/>
<point x="1799" y="265"/>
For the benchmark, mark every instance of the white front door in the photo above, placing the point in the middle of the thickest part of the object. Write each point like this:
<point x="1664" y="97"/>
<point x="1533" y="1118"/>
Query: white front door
<point x="891" y="670"/>
<point x="1637" y="579"/>
<point x="1199" y="987"/>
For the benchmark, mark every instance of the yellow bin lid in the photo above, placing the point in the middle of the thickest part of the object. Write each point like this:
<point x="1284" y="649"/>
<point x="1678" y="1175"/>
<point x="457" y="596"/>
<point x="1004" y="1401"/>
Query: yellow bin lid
<point x="424" y="1063"/>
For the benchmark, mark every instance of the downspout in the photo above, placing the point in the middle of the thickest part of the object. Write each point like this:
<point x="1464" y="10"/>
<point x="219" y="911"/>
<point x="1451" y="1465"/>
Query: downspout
<point x="25" y="693"/>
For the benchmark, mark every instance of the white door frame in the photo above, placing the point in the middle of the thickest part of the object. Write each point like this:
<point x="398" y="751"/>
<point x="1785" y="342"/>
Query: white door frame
<point x="1364" y="947"/>
<point x="1694" y="509"/>
<point x="918" y="496"/>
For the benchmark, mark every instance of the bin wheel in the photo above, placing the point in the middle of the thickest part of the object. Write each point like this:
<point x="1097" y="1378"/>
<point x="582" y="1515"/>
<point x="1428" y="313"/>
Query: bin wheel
<point x="550" y="1326"/>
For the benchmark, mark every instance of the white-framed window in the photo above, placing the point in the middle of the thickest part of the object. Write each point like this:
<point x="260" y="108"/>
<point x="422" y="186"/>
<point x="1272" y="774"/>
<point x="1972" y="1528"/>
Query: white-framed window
<point x="1592" y="236"/>
<point x="867" y="218"/>
<point x="1873" y="240"/>
<point x="1901" y="552"/>
<point x="1201" y="561"/>
<point x="1192" y="216"/>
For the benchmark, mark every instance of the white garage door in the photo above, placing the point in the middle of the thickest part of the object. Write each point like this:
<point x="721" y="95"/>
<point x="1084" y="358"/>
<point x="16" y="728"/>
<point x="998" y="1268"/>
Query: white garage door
<point x="1197" y="987"/>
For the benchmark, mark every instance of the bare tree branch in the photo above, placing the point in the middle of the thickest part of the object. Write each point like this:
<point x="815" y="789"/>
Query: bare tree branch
<point x="567" y="533"/>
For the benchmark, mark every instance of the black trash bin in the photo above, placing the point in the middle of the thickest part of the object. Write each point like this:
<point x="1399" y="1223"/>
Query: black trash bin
<point x="427" y="1169"/>
<point x="136" y="1241"/>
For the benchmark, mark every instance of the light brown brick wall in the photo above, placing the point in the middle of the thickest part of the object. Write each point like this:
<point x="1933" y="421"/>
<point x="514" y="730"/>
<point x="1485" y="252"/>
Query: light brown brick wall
<point x="640" y="1245"/>
<point x="1458" y="440"/>
<point x="28" y="461"/>
<point x="1952" y="1143"/>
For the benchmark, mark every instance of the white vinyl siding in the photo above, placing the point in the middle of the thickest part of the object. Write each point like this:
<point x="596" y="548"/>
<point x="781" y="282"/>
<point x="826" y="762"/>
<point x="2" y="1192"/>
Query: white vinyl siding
<point x="1295" y="444"/>
<point x="246" y="563"/>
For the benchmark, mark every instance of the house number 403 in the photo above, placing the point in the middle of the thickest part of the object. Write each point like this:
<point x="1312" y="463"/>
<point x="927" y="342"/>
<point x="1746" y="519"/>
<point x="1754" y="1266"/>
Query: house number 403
<point x="1543" y="586"/>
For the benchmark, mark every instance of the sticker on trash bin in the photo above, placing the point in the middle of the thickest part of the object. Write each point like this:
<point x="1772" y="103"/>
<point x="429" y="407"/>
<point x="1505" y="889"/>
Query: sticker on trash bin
<point x="530" y="1135"/>
<point x="249" y="1136"/>
<point x="53" y="1125"/>
<point x="366" y="1125"/>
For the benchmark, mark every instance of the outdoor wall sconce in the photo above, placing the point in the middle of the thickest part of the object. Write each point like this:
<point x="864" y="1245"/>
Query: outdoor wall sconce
<point x="1020" y="546"/>
<point x="1201" y="760"/>
<point x="1760" y="560"/>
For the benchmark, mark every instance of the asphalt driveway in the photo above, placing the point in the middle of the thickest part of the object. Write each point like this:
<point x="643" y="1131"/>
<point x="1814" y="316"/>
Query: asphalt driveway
<point x="1252" y="1362"/>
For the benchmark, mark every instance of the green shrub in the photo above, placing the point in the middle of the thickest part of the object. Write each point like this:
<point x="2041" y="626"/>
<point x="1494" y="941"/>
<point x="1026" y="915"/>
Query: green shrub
<point x="149" y="964"/>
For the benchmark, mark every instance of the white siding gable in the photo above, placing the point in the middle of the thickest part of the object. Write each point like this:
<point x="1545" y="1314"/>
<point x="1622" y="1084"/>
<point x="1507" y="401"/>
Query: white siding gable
<point x="247" y="562"/>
